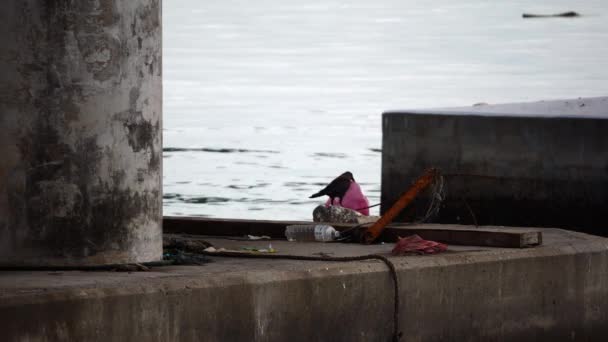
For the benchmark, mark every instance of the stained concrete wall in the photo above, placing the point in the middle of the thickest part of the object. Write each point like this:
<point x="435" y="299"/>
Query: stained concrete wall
<point x="531" y="164"/>
<point x="556" y="292"/>
<point x="80" y="131"/>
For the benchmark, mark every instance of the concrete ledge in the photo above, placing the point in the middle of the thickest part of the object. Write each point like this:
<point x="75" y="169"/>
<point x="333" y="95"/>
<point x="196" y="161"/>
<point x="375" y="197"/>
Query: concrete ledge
<point x="555" y="292"/>
<point x="531" y="164"/>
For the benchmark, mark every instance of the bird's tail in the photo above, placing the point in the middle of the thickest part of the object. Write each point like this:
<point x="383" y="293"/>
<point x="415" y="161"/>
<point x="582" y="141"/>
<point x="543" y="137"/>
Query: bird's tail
<point x="318" y="194"/>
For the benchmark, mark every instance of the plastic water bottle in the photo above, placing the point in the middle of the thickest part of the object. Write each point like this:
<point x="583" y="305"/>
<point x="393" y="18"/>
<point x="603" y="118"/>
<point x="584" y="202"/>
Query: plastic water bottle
<point x="311" y="232"/>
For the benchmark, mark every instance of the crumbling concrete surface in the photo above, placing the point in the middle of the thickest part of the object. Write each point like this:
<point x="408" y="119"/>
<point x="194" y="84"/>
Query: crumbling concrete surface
<point x="80" y="132"/>
<point x="555" y="292"/>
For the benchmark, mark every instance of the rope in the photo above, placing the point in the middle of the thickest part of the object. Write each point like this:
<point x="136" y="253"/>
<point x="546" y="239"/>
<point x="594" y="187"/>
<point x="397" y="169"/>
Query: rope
<point x="393" y="272"/>
<point x="199" y="250"/>
<point x="142" y="266"/>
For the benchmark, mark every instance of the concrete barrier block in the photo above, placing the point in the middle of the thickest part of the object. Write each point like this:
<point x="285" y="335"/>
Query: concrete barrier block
<point x="527" y="164"/>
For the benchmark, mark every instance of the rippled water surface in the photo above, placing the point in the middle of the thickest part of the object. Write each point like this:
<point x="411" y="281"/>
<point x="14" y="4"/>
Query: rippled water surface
<point x="266" y="101"/>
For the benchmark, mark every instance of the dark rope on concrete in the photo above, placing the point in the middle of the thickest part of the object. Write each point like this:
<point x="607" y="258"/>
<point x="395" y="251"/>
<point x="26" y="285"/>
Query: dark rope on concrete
<point x="133" y="267"/>
<point x="145" y="266"/>
<point x="393" y="272"/>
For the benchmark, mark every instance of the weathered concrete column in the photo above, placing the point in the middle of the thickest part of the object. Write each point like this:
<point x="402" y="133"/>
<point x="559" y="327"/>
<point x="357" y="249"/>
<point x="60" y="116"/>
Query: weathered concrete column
<point x="80" y="132"/>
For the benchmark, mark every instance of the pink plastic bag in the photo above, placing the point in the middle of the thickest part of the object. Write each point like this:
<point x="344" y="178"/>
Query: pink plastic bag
<point x="353" y="199"/>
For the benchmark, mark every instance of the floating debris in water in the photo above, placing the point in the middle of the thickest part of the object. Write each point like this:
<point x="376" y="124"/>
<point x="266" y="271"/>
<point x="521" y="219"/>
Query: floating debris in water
<point x="215" y="150"/>
<point x="569" y="14"/>
<point x="329" y="155"/>
<point x="181" y="198"/>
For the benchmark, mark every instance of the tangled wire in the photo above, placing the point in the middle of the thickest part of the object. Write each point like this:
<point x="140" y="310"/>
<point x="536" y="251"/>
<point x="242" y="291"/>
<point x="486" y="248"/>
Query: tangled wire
<point x="437" y="195"/>
<point x="437" y="192"/>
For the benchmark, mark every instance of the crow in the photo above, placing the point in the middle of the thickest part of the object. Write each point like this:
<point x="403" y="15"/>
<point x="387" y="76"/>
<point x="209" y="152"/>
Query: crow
<point x="337" y="187"/>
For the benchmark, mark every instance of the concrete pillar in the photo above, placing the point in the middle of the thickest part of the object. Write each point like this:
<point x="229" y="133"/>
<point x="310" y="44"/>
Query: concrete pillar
<point x="528" y="164"/>
<point x="80" y="132"/>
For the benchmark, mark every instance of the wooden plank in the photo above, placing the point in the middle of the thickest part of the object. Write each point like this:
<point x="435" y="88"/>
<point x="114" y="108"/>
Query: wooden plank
<point x="450" y="234"/>
<point x="226" y="227"/>
<point x="472" y="236"/>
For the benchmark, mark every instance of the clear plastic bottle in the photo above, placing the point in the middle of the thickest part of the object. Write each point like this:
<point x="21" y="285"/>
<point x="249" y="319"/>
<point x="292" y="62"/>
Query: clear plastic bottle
<point x="311" y="232"/>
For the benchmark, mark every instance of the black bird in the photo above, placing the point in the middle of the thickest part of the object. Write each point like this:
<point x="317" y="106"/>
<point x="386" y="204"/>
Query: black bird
<point x="337" y="187"/>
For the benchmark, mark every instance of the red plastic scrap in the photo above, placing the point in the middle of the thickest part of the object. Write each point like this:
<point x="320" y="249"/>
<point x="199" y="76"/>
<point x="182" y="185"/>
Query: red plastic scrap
<point x="414" y="244"/>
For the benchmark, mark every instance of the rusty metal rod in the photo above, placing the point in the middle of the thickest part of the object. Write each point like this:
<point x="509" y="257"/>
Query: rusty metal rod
<point x="372" y="233"/>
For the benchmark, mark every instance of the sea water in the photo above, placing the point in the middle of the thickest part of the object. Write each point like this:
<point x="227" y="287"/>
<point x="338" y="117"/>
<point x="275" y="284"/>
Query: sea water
<point x="267" y="101"/>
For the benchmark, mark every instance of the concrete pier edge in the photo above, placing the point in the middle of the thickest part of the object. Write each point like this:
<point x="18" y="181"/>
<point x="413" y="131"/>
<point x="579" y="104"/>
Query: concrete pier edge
<point x="554" y="292"/>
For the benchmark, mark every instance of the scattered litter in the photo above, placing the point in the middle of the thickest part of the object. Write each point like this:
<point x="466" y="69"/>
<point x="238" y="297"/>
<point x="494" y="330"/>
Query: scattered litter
<point x="181" y="257"/>
<point x="414" y="244"/>
<point x="337" y="213"/>
<point x="311" y="232"/>
<point x="213" y="249"/>
<point x="179" y="250"/>
<point x="260" y="250"/>
<point x="254" y="237"/>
